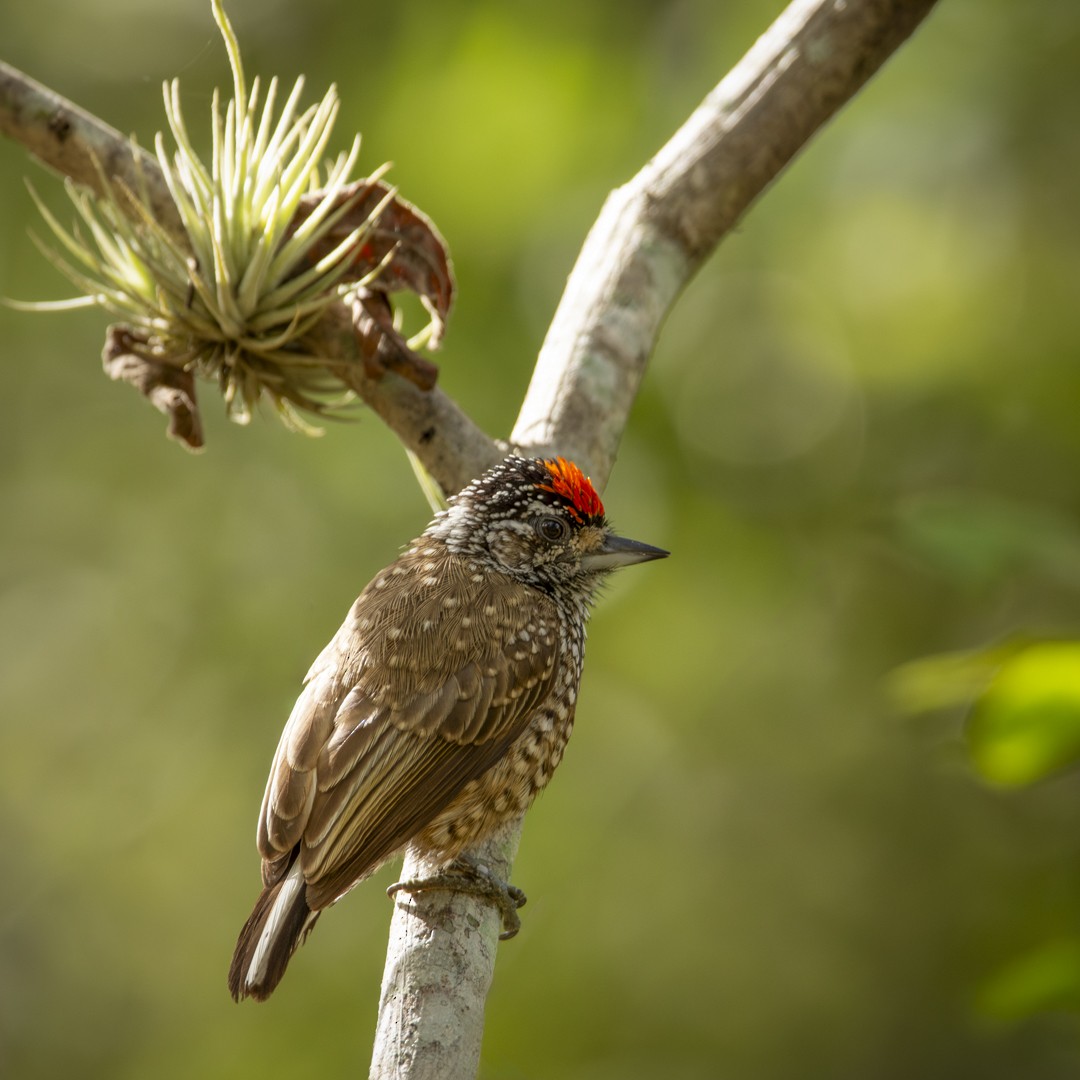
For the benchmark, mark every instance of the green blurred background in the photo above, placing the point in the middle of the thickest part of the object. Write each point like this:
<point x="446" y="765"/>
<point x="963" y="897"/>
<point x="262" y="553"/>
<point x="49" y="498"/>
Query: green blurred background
<point x="859" y="437"/>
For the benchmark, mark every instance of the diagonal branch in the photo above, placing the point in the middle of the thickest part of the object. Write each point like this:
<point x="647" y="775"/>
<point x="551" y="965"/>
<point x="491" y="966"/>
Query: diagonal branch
<point x="68" y="139"/>
<point x="655" y="231"/>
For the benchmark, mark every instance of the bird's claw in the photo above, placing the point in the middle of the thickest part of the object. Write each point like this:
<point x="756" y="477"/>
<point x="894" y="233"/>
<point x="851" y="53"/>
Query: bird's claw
<point x="465" y="876"/>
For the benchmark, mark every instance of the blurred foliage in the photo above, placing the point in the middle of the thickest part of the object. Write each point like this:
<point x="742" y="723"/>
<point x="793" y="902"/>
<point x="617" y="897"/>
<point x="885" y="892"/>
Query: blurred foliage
<point x="1027" y="724"/>
<point x="1024" y="702"/>
<point x="1047" y="978"/>
<point x="859" y="438"/>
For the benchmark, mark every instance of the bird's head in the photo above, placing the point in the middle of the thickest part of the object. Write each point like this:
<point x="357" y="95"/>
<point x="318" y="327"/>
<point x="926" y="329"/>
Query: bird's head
<point x="539" y="520"/>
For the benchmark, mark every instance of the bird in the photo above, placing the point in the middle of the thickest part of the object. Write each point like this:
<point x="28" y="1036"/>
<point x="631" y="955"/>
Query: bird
<point x="440" y="708"/>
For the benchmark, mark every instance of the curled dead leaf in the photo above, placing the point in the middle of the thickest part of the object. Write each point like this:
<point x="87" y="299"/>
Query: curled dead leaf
<point x="128" y="357"/>
<point x="382" y="348"/>
<point x="420" y="260"/>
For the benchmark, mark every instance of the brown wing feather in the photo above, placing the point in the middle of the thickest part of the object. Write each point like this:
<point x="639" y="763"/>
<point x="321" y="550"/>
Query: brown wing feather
<point x="409" y="702"/>
<point x="398" y="786"/>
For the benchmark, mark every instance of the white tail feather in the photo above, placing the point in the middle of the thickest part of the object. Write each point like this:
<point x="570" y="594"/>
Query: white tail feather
<point x="283" y="903"/>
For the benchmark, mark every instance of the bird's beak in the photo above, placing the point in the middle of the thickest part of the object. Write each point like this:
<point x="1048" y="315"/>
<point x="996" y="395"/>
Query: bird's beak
<point x="618" y="551"/>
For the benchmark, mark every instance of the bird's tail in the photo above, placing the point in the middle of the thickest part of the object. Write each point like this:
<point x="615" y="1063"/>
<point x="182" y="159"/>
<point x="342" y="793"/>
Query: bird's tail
<point x="275" y="929"/>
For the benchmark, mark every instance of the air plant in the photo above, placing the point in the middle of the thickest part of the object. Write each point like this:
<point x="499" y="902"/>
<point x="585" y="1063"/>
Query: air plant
<point x="273" y="237"/>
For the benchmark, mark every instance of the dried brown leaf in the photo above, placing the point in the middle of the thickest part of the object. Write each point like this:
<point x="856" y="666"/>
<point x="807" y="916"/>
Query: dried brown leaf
<point x="128" y="357"/>
<point x="382" y="348"/>
<point x="402" y="237"/>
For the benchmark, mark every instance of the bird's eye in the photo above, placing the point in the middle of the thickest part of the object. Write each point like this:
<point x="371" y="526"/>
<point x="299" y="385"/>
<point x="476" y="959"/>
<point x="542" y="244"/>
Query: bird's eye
<point x="551" y="528"/>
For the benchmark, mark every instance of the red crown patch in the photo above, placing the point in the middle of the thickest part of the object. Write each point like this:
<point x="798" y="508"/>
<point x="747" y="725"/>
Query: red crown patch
<point x="569" y="482"/>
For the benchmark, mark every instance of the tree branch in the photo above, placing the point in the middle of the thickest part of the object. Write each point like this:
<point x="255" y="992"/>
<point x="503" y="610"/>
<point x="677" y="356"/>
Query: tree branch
<point x="440" y="961"/>
<point x="68" y="139"/>
<point x="428" y="422"/>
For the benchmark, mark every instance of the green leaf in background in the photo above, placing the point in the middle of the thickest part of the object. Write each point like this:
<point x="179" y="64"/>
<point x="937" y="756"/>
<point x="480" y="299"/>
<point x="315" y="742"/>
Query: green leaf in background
<point x="949" y="679"/>
<point x="1024" y="698"/>
<point x="1046" y="978"/>
<point x="1027" y="723"/>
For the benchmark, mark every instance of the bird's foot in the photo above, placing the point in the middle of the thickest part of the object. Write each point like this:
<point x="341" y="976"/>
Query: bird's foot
<point x="465" y="876"/>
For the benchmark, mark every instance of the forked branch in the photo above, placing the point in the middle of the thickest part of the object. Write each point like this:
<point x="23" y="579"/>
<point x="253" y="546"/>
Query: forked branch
<point x="651" y="237"/>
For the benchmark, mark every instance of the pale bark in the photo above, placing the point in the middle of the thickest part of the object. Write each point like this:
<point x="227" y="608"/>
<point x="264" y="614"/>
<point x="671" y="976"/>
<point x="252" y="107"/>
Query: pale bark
<point x="652" y="235"/>
<point x="440" y="961"/>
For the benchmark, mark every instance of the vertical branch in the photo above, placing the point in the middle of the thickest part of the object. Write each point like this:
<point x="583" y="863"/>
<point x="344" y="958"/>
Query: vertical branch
<point x="440" y="962"/>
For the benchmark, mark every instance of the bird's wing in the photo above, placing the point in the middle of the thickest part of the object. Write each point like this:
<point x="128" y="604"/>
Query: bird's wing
<point x="432" y="695"/>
